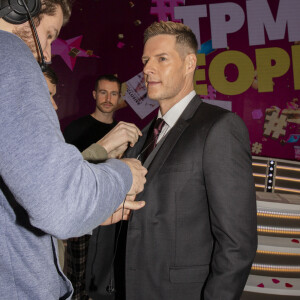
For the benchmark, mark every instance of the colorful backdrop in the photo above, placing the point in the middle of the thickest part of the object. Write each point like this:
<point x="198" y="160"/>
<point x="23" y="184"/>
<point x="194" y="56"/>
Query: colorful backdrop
<point x="248" y="62"/>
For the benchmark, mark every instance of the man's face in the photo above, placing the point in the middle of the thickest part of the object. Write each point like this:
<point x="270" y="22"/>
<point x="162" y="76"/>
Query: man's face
<point x="164" y="69"/>
<point x="52" y="91"/>
<point x="47" y="31"/>
<point x="107" y="96"/>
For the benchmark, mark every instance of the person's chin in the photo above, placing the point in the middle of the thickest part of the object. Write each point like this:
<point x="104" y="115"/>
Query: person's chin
<point x="153" y="96"/>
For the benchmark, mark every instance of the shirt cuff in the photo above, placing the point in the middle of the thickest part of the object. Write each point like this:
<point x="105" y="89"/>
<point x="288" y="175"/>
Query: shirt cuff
<point x="95" y="153"/>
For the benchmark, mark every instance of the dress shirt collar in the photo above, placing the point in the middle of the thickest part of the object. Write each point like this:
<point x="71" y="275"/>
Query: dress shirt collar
<point x="173" y="114"/>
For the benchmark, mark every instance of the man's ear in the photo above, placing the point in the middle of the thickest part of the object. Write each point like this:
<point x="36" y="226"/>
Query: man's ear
<point x="94" y="95"/>
<point x="191" y="63"/>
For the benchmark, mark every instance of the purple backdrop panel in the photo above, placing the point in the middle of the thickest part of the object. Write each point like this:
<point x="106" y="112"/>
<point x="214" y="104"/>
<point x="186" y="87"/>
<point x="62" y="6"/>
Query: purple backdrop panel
<point x="249" y="56"/>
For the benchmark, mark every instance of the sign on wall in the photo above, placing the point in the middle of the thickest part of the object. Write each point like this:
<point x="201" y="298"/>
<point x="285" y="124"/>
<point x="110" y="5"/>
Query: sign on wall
<point x="248" y="59"/>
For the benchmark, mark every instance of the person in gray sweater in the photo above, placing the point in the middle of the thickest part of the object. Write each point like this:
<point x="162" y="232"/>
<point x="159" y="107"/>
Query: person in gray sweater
<point x="47" y="189"/>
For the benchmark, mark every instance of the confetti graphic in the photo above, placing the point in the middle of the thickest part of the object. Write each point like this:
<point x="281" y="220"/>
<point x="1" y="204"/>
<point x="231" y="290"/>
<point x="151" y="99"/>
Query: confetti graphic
<point x="256" y="148"/>
<point x="70" y="50"/>
<point x="293" y="104"/>
<point x="293" y="138"/>
<point x="282" y="142"/>
<point x="261" y="285"/>
<point x="254" y="84"/>
<point x="293" y="115"/>
<point x="211" y="93"/>
<point x="295" y="241"/>
<point x="137" y="22"/>
<point x="297" y="152"/>
<point x="206" y="48"/>
<point x="120" y="45"/>
<point x="274" y="125"/>
<point x="276" y="281"/>
<point x="257" y="114"/>
<point x="164" y="9"/>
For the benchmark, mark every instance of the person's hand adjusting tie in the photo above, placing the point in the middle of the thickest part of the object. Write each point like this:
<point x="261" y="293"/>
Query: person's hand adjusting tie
<point x="116" y="141"/>
<point x="138" y="181"/>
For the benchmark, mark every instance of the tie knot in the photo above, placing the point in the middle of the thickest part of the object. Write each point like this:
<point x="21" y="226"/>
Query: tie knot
<point x="159" y="123"/>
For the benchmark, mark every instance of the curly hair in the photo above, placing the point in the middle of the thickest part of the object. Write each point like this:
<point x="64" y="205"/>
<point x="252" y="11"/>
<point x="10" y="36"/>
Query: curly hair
<point x="49" y="8"/>
<point x="51" y="75"/>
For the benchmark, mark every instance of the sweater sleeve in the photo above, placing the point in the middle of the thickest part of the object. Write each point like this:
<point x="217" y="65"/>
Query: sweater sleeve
<point x="63" y="194"/>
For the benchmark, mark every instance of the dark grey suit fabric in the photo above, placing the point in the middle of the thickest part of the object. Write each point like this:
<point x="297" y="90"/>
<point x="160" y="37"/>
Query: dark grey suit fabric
<point x="196" y="237"/>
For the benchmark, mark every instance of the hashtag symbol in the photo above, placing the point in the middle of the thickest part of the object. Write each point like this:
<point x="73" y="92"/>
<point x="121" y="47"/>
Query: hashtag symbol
<point x="256" y="148"/>
<point x="164" y="9"/>
<point x="275" y="125"/>
<point x="211" y="93"/>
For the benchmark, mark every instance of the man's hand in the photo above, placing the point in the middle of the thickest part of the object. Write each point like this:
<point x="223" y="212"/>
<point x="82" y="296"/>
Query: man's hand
<point x="138" y="175"/>
<point x="129" y="204"/>
<point x="116" y="141"/>
<point x="118" y="152"/>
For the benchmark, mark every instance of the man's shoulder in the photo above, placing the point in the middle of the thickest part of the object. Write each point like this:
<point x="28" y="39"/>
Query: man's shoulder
<point x="211" y="112"/>
<point x="9" y="37"/>
<point x="79" y="122"/>
<point x="10" y="43"/>
<point x="75" y="129"/>
<point x="16" y="58"/>
<point x="215" y="116"/>
<point x="214" y="108"/>
<point x="86" y="118"/>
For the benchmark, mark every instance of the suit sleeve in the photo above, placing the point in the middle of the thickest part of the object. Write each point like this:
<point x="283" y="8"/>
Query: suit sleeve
<point x="232" y="204"/>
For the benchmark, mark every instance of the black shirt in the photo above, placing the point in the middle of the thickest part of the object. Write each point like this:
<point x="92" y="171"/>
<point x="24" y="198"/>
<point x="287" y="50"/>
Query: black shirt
<point x="86" y="131"/>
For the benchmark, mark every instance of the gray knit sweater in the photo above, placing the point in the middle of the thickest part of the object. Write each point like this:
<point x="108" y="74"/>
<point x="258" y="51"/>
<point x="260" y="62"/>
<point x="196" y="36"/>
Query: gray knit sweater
<point x="47" y="189"/>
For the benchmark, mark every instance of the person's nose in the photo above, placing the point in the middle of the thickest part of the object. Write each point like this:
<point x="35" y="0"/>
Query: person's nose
<point x="47" y="53"/>
<point x="149" y="68"/>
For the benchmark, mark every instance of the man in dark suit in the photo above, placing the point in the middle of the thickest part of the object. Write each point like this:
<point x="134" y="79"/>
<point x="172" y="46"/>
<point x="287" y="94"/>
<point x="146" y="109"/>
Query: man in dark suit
<point x="196" y="236"/>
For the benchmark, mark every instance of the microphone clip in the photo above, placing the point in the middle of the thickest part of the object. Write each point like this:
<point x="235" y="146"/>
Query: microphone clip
<point x="110" y="287"/>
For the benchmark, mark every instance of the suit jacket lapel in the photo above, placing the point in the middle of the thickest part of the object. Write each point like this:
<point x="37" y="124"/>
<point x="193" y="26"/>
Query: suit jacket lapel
<point x="170" y="140"/>
<point x="136" y="150"/>
<point x="158" y="158"/>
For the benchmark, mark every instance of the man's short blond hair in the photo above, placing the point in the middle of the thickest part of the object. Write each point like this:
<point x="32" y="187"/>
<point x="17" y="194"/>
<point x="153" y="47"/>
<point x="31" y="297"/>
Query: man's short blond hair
<point x="184" y="35"/>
